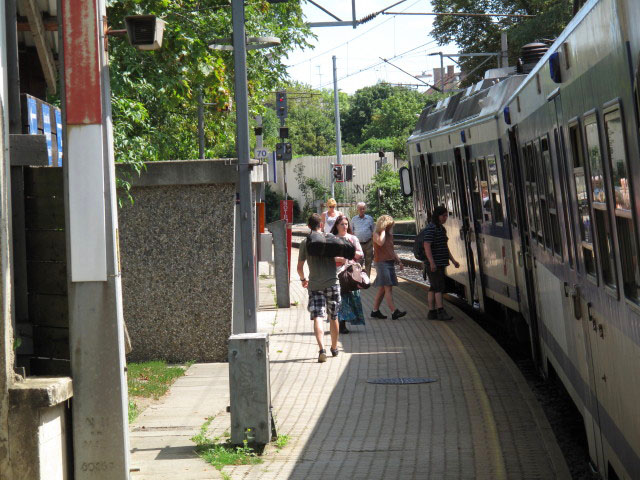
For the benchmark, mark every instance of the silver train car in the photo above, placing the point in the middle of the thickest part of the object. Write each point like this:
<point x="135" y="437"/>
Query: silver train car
<point x="540" y="173"/>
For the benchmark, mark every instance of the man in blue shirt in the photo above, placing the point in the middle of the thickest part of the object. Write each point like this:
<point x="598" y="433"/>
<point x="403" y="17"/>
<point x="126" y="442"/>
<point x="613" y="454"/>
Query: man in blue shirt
<point x="363" y="227"/>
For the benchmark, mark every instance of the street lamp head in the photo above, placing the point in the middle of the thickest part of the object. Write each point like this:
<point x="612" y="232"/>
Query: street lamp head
<point x="145" y="31"/>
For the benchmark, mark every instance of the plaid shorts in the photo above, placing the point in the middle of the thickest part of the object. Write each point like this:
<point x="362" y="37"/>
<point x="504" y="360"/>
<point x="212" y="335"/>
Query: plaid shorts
<point x="323" y="302"/>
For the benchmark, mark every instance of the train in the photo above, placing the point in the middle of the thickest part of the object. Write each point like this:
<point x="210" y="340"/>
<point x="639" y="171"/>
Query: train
<point x="539" y="169"/>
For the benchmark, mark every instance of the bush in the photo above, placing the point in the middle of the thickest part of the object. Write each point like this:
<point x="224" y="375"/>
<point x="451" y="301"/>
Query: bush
<point x="272" y="206"/>
<point x="384" y="196"/>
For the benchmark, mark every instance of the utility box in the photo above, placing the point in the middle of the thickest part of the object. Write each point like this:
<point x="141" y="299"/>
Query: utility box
<point x="266" y="247"/>
<point x="250" y="389"/>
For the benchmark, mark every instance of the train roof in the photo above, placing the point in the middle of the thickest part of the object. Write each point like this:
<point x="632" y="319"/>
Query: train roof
<point x="478" y="101"/>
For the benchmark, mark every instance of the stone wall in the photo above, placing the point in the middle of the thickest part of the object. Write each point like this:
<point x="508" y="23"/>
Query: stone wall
<point x="177" y="251"/>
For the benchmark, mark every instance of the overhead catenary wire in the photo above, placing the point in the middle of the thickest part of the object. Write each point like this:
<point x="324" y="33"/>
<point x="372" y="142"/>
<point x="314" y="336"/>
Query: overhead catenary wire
<point x="380" y="63"/>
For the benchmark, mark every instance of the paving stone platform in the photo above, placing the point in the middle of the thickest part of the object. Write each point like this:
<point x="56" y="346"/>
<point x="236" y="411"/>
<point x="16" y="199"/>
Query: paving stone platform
<point x="478" y="421"/>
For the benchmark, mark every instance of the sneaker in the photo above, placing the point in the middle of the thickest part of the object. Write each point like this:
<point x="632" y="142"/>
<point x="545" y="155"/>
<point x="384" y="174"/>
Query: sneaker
<point x="397" y="314"/>
<point x="334" y="353"/>
<point x="443" y="315"/>
<point x="322" y="356"/>
<point x="378" y="314"/>
<point x="432" y="315"/>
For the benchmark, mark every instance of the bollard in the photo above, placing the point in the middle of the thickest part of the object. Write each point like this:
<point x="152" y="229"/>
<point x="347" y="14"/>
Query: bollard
<point x="249" y="387"/>
<point x="279" y="232"/>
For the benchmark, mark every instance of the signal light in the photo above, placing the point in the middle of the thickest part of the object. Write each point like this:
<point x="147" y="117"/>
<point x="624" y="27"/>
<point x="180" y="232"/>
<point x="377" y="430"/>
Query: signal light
<point x="281" y="104"/>
<point x="338" y="173"/>
<point x="349" y="173"/>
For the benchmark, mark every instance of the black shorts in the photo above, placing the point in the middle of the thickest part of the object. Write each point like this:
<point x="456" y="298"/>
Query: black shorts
<point x="436" y="279"/>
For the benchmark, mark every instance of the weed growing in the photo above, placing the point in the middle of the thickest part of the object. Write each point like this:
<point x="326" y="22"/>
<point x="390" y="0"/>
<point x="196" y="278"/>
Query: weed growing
<point x="134" y="411"/>
<point x="222" y="454"/>
<point x="282" y="441"/>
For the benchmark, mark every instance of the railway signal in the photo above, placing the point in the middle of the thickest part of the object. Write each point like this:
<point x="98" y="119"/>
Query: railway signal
<point x="284" y="151"/>
<point x="338" y="173"/>
<point x="349" y="172"/>
<point x="281" y="105"/>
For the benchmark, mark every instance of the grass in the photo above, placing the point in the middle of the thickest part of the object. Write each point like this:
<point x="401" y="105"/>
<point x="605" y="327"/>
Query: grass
<point x="222" y="454"/>
<point x="150" y="380"/>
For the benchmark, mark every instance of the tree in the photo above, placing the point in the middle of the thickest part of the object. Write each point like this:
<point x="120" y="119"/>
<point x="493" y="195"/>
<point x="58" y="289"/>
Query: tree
<point x="360" y="111"/>
<point x="155" y="93"/>
<point x="482" y="34"/>
<point x="384" y="196"/>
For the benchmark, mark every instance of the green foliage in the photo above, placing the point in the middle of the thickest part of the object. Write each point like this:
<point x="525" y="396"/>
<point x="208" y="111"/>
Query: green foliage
<point x="482" y="34"/>
<point x="384" y="196"/>
<point x="151" y="379"/>
<point x="311" y="188"/>
<point x="222" y="454"/>
<point x="282" y="441"/>
<point x="134" y="411"/>
<point x="155" y="93"/>
<point x="272" y="206"/>
<point x="361" y="110"/>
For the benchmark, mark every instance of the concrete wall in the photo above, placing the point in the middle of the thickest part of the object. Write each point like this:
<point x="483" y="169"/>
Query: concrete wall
<point x="177" y="251"/>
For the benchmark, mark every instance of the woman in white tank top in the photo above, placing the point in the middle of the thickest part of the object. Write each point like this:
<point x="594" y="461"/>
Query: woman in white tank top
<point x="329" y="217"/>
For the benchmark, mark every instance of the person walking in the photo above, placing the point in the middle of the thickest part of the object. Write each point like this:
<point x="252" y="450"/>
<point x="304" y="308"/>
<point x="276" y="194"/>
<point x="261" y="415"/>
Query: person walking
<point x="385" y="259"/>
<point x="436" y="250"/>
<point x="363" y="227"/>
<point x="324" y="291"/>
<point x="351" y="304"/>
<point x="329" y="216"/>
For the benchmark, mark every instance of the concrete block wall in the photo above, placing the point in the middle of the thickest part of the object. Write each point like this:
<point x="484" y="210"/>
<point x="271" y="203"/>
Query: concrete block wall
<point x="177" y="252"/>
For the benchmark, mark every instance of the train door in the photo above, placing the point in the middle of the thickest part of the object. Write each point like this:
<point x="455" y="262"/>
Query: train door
<point x="522" y="247"/>
<point x="467" y="178"/>
<point x="428" y="200"/>
<point x="590" y="369"/>
<point x="468" y="276"/>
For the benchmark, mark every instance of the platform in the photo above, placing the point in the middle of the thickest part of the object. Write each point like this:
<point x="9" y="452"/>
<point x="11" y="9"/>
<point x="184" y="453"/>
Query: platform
<point x="479" y="420"/>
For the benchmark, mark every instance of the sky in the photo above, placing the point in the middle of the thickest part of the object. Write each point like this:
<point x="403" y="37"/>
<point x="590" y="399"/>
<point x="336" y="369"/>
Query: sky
<point x="404" y="40"/>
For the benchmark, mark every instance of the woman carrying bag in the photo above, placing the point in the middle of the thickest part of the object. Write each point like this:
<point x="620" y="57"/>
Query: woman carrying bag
<point x="351" y="307"/>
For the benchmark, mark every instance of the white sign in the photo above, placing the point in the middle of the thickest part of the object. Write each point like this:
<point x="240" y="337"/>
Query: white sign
<point x="261" y="153"/>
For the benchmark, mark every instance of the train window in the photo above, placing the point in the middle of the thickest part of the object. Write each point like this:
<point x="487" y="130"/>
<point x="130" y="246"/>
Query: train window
<point x="475" y="191"/>
<point x="530" y="185"/>
<point x="484" y="190"/>
<point x="554" y="222"/>
<point x="434" y="186"/>
<point x="494" y="187"/>
<point x="541" y="204"/>
<point x="582" y="200"/>
<point x="599" y="201"/>
<point x="510" y="191"/>
<point x="441" y="190"/>
<point x="627" y="245"/>
<point x="447" y="186"/>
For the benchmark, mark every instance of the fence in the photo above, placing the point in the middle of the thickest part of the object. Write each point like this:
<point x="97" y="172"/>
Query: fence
<point x="319" y="168"/>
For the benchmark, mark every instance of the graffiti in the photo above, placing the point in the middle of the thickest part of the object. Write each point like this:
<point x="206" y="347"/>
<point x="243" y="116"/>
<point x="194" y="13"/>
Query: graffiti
<point x="361" y="188"/>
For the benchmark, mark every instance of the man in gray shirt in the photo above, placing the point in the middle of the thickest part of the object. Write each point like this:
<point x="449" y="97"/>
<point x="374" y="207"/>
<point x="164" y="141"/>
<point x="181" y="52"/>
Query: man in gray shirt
<point x="363" y="227"/>
<point x="324" y="291"/>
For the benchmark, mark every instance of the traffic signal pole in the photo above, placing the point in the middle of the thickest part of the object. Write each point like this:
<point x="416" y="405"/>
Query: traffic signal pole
<point x="337" y="110"/>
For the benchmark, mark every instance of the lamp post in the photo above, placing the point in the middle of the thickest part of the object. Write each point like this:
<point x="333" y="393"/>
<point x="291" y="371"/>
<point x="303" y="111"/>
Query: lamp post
<point x="244" y="169"/>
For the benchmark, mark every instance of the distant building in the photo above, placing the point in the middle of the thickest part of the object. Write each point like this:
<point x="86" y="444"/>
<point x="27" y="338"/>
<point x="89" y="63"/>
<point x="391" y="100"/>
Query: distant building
<point x="450" y="81"/>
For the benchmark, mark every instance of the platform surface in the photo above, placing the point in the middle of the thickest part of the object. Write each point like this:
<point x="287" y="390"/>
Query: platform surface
<point x="479" y="420"/>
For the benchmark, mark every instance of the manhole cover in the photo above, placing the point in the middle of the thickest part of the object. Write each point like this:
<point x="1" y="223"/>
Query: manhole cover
<point x="401" y="380"/>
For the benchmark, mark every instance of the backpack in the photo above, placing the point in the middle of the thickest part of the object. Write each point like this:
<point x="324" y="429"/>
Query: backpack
<point x="328" y="245"/>
<point x="418" y="246"/>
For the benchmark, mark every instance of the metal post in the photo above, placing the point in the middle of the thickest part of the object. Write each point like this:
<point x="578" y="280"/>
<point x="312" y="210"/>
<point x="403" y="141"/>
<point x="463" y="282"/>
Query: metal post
<point x="337" y="115"/>
<point x="13" y="75"/>
<point x="505" y="49"/>
<point x="259" y="144"/>
<point x="244" y="169"/>
<point x="200" y="125"/>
